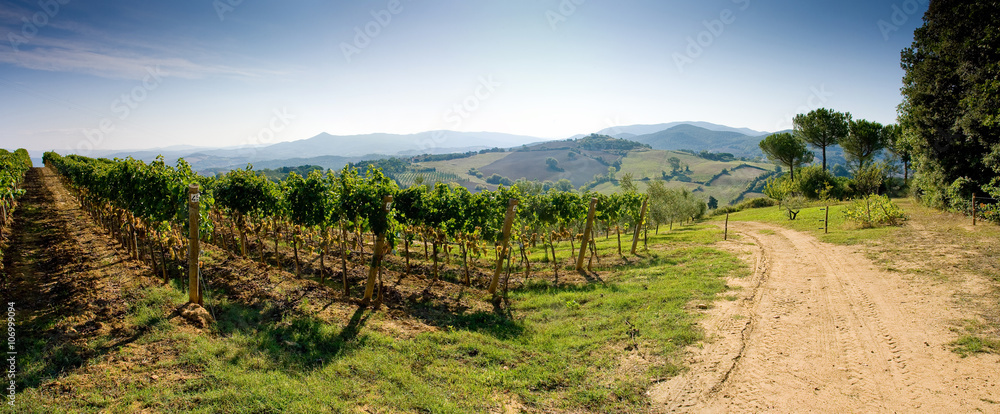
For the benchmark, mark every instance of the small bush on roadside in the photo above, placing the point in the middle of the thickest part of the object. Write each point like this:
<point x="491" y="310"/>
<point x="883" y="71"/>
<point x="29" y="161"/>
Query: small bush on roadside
<point x="758" y="202"/>
<point x="814" y="182"/>
<point x="745" y="204"/>
<point x="875" y="211"/>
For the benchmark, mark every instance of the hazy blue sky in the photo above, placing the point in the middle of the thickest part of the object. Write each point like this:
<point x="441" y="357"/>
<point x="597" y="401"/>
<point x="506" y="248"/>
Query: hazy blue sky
<point x="139" y="74"/>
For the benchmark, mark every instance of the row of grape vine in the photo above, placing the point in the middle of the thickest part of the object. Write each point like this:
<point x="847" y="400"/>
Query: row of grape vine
<point x="144" y="206"/>
<point x="13" y="166"/>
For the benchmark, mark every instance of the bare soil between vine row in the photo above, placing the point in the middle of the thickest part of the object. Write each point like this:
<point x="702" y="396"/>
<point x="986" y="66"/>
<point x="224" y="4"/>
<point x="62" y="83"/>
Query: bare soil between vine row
<point x="820" y="328"/>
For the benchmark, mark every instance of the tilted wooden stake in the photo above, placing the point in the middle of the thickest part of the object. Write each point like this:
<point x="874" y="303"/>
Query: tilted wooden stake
<point x="639" y="225"/>
<point x="587" y="230"/>
<point x="377" y="253"/>
<point x="194" y="249"/>
<point x="725" y="234"/>
<point x="508" y="220"/>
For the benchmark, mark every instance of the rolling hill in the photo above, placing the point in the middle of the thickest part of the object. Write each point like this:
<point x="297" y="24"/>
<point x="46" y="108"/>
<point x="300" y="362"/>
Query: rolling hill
<point x="700" y="175"/>
<point x="696" y="138"/>
<point x="635" y="130"/>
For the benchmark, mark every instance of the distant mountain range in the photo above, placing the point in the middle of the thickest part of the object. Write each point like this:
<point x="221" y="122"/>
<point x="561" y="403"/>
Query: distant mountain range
<point x="632" y="130"/>
<point x="690" y="137"/>
<point x="334" y="151"/>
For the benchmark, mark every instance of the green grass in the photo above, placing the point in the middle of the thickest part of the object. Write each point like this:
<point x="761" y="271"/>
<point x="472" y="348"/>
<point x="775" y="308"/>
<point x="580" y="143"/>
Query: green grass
<point x="563" y="347"/>
<point x="810" y="220"/>
<point x="974" y="339"/>
<point x="650" y="163"/>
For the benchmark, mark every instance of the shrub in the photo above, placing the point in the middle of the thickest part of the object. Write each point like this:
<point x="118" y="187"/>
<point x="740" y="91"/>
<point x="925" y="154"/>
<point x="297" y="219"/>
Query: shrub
<point x="777" y="188"/>
<point x="868" y="179"/>
<point x="498" y="179"/>
<point x="813" y="181"/>
<point x="875" y="211"/>
<point x="758" y="202"/>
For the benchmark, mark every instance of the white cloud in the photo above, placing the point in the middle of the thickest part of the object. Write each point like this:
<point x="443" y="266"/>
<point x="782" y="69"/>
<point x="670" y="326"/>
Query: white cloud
<point x="83" y="49"/>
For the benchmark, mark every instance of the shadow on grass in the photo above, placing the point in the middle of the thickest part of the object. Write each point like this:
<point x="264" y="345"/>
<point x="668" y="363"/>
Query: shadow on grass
<point x="292" y="339"/>
<point x="547" y="287"/>
<point x="46" y="357"/>
<point x="449" y="313"/>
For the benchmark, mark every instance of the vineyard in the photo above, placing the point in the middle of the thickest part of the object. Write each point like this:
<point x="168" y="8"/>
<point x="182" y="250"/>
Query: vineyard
<point x="99" y="267"/>
<point x="497" y="301"/>
<point x="343" y="217"/>
<point x="13" y="165"/>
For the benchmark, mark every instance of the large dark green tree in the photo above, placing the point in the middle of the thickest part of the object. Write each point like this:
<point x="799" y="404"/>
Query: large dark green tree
<point x="822" y="128"/>
<point x="902" y="147"/>
<point x="950" y="112"/>
<point x="786" y="149"/>
<point x="864" y="141"/>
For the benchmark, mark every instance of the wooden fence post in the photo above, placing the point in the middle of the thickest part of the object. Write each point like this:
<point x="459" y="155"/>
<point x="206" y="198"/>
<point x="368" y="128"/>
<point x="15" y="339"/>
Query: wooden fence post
<point x="377" y="252"/>
<point x="973" y="209"/>
<point x="508" y="221"/>
<point x="826" y="221"/>
<point x="194" y="248"/>
<point x="725" y="234"/>
<point x="639" y="225"/>
<point x="587" y="230"/>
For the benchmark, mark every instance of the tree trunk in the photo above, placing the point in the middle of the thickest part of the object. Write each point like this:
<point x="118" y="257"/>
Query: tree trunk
<point x="359" y="241"/>
<point x="134" y="238"/>
<point x="324" y="249"/>
<point x="618" y="231"/>
<point x="527" y="263"/>
<point x="465" y="264"/>
<point x="295" y="249"/>
<point x="555" y="262"/>
<point x="277" y="258"/>
<point x="240" y="224"/>
<point x="434" y="246"/>
<point x="406" y="251"/>
<point x="343" y="258"/>
<point x="824" y="158"/>
<point x="163" y="263"/>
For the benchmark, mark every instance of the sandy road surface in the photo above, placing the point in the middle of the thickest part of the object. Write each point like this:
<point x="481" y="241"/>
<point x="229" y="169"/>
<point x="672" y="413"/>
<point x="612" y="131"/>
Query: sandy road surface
<point x="818" y="328"/>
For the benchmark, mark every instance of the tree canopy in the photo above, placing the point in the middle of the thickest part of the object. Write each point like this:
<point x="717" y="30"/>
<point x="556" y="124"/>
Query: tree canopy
<point x="864" y="141"/>
<point x="950" y="112"/>
<point x="786" y="149"/>
<point x="822" y="128"/>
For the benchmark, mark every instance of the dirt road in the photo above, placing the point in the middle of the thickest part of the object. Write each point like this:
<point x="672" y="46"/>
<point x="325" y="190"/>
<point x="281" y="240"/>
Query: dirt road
<point x="819" y="328"/>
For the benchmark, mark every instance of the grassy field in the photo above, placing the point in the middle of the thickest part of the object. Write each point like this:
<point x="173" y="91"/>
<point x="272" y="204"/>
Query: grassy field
<point x="811" y="220"/>
<point x="651" y="163"/>
<point x="644" y="163"/>
<point x="591" y="346"/>
<point x="461" y="166"/>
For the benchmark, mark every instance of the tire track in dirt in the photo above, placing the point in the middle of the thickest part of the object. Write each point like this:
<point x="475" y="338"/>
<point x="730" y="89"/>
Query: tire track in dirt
<point x="817" y="328"/>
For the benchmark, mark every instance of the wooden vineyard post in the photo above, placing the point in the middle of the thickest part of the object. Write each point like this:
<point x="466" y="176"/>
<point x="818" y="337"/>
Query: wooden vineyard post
<point x="586" y="234"/>
<point x="194" y="290"/>
<point x="973" y="209"/>
<point x="639" y="225"/>
<point x="725" y="234"/>
<point x="826" y="221"/>
<point x="377" y="252"/>
<point x="508" y="221"/>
